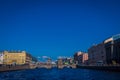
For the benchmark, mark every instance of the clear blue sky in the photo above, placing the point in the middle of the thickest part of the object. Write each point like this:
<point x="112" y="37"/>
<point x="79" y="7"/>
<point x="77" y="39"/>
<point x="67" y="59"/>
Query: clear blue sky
<point x="57" y="27"/>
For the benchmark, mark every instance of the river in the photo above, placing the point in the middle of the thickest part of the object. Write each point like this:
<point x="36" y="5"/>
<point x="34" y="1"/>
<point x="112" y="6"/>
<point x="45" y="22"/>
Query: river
<point x="59" y="74"/>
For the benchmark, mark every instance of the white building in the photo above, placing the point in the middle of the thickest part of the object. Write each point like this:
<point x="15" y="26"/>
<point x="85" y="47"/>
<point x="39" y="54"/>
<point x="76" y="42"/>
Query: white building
<point x="1" y="57"/>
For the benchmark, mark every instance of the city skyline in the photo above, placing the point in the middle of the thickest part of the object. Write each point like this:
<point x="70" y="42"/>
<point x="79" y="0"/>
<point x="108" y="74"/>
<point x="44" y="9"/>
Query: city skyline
<point x="57" y="28"/>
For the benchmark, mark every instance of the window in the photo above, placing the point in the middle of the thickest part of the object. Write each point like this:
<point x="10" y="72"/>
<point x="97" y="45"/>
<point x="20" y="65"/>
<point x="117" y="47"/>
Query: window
<point x="102" y="57"/>
<point x="101" y="52"/>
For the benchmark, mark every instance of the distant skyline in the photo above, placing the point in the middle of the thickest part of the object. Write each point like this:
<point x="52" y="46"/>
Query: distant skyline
<point x="57" y="27"/>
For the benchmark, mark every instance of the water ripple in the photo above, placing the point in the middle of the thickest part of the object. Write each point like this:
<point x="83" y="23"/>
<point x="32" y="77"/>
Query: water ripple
<point x="59" y="74"/>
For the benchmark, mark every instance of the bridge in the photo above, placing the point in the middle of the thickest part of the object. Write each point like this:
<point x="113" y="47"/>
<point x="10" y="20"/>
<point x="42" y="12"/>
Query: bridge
<point x="50" y="65"/>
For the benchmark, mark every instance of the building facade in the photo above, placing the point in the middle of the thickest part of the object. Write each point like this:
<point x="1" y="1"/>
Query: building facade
<point x="60" y="63"/>
<point x="97" y="54"/>
<point x="80" y="58"/>
<point x="1" y="58"/>
<point x="85" y="58"/>
<point x="16" y="58"/>
<point x="112" y="47"/>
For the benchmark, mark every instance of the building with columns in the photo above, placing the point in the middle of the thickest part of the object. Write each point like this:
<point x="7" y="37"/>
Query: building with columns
<point x="107" y="52"/>
<point x="112" y="47"/>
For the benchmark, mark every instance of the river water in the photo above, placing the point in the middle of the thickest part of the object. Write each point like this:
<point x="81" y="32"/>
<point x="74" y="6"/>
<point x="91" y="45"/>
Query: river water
<point x="59" y="74"/>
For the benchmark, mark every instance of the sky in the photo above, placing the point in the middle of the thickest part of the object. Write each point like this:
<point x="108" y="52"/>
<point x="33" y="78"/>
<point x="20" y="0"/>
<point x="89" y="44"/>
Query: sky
<point x="57" y="27"/>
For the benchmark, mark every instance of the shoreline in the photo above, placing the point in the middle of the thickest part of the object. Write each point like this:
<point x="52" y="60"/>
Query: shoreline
<point x="103" y="68"/>
<point x="26" y="67"/>
<point x="13" y="68"/>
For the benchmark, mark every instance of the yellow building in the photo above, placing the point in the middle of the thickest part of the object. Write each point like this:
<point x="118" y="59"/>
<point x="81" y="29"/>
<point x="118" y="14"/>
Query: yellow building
<point x="18" y="58"/>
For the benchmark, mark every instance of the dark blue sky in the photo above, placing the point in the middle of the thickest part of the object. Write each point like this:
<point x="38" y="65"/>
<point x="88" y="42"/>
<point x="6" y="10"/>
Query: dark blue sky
<point x="57" y="27"/>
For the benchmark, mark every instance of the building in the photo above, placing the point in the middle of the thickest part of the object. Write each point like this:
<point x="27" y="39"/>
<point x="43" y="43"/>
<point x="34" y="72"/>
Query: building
<point x="1" y="58"/>
<point x="60" y="63"/>
<point x="85" y="58"/>
<point x="16" y="58"/>
<point x="49" y="63"/>
<point x="97" y="54"/>
<point x="107" y="52"/>
<point x="80" y="58"/>
<point x="112" y="47"/>
<point x="67" y="61"/>
<point x="28" y="58"/>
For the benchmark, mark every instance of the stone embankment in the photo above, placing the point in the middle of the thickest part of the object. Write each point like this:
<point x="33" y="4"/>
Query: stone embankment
<point x="4" y="68"/>
<point x="105" y="68"/>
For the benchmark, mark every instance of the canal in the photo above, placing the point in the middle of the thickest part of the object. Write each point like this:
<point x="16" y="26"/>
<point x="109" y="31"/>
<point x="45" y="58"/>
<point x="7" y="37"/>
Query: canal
<point x="60" y="74"/>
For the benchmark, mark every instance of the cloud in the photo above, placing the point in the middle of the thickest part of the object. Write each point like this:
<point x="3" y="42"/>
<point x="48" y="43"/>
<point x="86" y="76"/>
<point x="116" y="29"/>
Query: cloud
<point x="45" y="57"/>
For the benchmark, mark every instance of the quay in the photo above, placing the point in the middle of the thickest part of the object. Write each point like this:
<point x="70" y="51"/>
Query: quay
<point x="5" y="68"/>
<point x="105" y="68"/>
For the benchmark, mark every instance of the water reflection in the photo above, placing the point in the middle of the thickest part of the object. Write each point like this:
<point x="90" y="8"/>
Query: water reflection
<point x="59" y="74"/>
